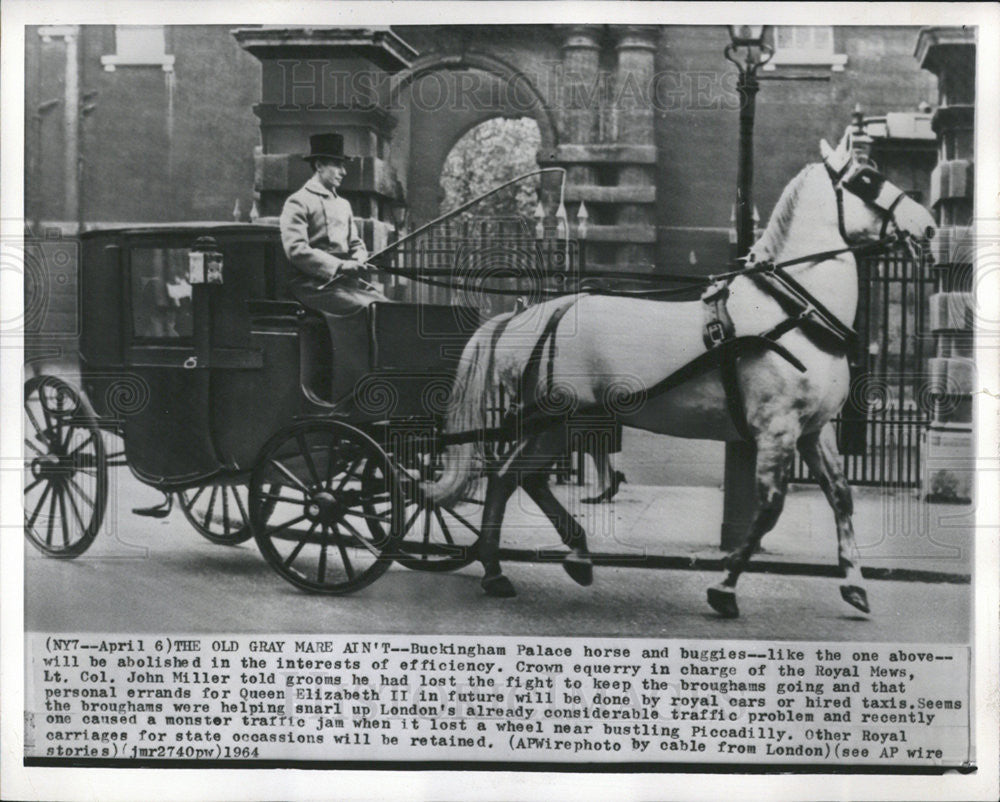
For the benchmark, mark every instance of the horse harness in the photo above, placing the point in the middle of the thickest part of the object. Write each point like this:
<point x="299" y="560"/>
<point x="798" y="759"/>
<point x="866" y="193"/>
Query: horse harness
<point x="804" y="310"/>
<point x="724" y="347"/>
<point x="535" y="396"/>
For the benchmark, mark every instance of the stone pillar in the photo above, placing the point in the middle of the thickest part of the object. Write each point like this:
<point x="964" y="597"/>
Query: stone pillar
<point x="581" y="53"/>
<point x="71" y="116"/>
<point x="636" y="50"/>
<point x="321" y="79"/>
<point x="948" y="470"/>
<point x="609" y="165"/>
<point x="581" y="105"/>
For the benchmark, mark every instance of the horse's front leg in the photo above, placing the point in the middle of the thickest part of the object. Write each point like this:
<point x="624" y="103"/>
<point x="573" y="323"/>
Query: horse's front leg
<point x="774" y="458"/>
<point x="819" y="451"/>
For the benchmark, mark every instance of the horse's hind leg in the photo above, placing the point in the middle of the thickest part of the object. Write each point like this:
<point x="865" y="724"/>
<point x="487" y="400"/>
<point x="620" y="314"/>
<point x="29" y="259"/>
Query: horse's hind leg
<point x="818" y="449"/>
<point x="774" y="457"/>
<point x="577" y="563"/>
<point x="498" y="490"/>
<point x="532" y="470"/>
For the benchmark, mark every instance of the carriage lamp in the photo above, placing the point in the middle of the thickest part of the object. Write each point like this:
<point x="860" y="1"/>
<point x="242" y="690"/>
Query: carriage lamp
<point x="205" y="262"/>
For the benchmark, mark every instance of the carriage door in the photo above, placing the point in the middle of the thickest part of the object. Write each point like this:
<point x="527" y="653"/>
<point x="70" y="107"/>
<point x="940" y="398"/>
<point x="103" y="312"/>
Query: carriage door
<point x="167" y="340"/>
<point x="254" y="375"/>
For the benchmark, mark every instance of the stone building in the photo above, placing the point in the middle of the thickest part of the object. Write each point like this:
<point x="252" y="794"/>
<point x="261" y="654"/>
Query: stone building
<point x="178" y="122"/>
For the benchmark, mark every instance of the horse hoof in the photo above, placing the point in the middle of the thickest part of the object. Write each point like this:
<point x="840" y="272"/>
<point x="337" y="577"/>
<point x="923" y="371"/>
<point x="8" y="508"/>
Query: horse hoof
<point x="499" y="587"/>
<point x="856" y="597"/>
<point x="609" y="492"/>
<point x="723" y="601"/>
<point x="580" y="569"/>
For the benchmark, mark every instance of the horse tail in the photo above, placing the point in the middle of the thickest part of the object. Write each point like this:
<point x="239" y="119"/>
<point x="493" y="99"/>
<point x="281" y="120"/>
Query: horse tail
<point x="467" y="412"/>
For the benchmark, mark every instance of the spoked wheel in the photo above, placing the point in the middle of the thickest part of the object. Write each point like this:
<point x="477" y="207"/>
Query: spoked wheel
<point x="434" y="537"/>
<point x="66" y="470"/>
<point x="218" y="512"/>
<point x="324" y="481"/>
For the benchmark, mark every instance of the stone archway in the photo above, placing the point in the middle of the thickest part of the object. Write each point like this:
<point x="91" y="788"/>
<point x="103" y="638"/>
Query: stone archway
<point x="355" y="80"/>
<point x="488" y="155"/>
<point x="510" y="75"/>
<point x="478" y="87"/>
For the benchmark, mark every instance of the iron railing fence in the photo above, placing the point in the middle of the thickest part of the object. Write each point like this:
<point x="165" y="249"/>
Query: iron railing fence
<point x="891" y="390"/>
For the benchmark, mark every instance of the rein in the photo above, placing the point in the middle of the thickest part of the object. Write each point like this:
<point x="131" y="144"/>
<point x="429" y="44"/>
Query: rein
<point x="693" y="282"/>
<point x="724" y="346"/>
<point x="866" y="184"/>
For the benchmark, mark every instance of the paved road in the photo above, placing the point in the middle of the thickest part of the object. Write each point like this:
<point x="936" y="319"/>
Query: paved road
<point x="654" y="459"/>
<point x="147" y="575"/>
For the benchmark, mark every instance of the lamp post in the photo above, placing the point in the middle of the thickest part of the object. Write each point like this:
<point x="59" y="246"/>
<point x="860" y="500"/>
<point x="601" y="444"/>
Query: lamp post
<point x="753" y="43"/>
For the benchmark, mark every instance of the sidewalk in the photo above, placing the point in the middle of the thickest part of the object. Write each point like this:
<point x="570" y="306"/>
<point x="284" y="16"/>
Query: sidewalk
<point x="899" y="536"/>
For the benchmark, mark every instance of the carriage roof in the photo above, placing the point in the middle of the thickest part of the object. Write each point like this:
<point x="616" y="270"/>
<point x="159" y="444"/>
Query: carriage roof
<point x="207" y="226"/>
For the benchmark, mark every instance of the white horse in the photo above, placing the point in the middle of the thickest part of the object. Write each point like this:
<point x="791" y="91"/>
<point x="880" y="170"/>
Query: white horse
<point x="611" y="352"/>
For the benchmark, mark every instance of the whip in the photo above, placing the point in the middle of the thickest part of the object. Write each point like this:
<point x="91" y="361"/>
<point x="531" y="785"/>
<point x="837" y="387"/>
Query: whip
<point x="462" y="208"/>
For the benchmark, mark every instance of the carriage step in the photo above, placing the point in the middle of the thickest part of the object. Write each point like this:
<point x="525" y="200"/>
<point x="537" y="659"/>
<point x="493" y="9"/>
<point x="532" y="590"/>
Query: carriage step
<point x="161" y="510"/>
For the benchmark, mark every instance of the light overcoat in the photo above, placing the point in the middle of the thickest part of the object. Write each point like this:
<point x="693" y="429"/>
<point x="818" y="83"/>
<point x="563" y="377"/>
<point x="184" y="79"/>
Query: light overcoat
<point x="318" y="231"/>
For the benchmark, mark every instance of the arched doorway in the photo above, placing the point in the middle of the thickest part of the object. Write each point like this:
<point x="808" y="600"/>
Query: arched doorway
<point x="487" y="155"/>
<point x="495" y="244"/>
<point x="498" y="230"/>
<point x="442" y="97"/>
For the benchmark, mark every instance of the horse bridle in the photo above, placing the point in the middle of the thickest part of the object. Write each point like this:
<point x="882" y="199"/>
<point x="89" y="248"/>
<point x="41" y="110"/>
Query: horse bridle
<point x="865" y="182"/>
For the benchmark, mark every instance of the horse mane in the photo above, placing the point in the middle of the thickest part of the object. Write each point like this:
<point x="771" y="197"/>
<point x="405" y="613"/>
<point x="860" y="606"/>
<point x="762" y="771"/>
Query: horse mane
<point x="770" y="242"/>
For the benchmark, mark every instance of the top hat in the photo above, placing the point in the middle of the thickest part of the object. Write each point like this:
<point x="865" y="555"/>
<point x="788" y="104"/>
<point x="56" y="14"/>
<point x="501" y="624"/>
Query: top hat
<point x="326" y="146"/>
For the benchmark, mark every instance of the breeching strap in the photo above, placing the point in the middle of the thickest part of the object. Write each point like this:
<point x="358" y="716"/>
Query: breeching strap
<point x="533" y="418"/>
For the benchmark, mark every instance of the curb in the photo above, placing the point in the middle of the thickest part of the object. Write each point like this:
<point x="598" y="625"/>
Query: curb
<point x="785" y="568"/>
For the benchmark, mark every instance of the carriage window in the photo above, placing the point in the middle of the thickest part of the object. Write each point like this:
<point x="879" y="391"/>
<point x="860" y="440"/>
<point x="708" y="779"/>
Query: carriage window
<point x="161" y="294"/>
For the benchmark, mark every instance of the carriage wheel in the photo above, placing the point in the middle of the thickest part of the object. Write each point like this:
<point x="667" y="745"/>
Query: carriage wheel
<point x="219" y="512"/>
<point x="66" y="470"/>
<point x="325" y="480"/>
<point x="434" y="537"/>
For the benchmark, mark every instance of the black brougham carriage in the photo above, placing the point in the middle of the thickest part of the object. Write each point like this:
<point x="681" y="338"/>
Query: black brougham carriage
<point x="234" y="399"/>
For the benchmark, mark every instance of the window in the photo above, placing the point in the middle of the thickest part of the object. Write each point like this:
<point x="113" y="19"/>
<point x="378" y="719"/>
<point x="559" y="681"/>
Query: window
<point x="161" y="294"/>
<point x="139" y="45"/>
<point x="806" y="45"/>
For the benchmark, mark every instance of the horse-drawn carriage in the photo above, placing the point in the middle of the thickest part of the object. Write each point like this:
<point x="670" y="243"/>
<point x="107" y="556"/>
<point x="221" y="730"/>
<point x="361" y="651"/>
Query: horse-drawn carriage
<point x="218" y="382"/>
<point x="248" y="409"/>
